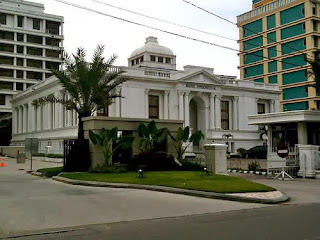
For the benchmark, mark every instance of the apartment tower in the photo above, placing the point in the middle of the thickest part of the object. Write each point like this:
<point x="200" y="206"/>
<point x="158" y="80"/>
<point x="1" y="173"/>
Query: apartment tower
<point x="276" y="38"/>
<point x="31" y="43"/>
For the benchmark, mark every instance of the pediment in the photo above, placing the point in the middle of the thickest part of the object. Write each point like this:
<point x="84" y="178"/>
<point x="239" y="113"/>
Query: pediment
<point x="201" y="77"/>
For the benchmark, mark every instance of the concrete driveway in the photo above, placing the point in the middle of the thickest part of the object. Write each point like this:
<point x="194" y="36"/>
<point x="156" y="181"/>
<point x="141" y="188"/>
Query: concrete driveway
<point x="32" y="203"/>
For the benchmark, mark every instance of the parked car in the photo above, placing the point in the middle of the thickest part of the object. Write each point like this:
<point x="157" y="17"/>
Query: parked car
<point x="257" y="152"/>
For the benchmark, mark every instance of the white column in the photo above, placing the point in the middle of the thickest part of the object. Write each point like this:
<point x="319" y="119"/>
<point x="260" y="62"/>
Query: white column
<point x="272" y="103"/>
<point x="62" y="112"/>
<point x="117" y="100"/>
<point x="218" y="111"/>
<point x="69" y="113"/>
<point x="50" y="115"/>
<point x="20" y="119"/>
<point x="25" y="118"/>
<point x="35" y="119"/>
<point x="30" y="117"/>
<point x="180" y="93"/>
<point x="38" y="118"/>
<point x="235" y="113"/>
<point x="15" y="121"/>
<point x="186" y="109"/>
<point x="146" y="103"/>
<point x="56" y="112"/>
<point x="212" y="111"/>
<point x="166" y="105"/>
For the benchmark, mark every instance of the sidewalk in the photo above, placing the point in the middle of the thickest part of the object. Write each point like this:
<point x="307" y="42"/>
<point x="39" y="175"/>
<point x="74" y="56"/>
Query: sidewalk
<point x="11" y="166"/>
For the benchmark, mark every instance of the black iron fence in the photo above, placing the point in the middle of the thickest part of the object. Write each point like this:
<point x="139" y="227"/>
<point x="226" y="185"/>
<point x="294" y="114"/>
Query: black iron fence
<point x="76" y="155"/>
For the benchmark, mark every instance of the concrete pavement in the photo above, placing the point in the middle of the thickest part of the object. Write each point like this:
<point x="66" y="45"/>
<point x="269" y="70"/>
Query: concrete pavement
<point x="32" y="203"/>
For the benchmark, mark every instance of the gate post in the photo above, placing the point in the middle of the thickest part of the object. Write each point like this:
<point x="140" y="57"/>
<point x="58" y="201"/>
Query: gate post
<point x="216" y="156"/>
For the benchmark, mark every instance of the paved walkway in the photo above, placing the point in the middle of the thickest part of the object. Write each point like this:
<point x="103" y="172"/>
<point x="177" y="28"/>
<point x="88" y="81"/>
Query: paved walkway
<point x="32" y="203"/>
<point x="301" y="191"/>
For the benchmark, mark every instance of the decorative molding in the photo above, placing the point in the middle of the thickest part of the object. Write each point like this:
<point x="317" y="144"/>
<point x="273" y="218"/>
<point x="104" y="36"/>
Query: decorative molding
<point x="166" y="93"/>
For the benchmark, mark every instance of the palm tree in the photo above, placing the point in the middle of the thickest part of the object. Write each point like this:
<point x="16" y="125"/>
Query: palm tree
<point x="90" y="85"/>
<point x="315" y="71"/>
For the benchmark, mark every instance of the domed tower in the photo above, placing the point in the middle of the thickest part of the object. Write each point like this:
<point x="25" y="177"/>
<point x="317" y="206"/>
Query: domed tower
<point x="153" y="55"/>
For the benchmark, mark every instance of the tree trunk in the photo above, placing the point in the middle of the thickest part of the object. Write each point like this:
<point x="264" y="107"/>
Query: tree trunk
<point x="80" y="125"/>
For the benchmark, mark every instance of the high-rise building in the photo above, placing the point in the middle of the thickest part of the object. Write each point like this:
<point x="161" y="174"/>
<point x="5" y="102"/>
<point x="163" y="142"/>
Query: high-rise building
<point x="275" y="39"/>
<point x="31" y="43"/>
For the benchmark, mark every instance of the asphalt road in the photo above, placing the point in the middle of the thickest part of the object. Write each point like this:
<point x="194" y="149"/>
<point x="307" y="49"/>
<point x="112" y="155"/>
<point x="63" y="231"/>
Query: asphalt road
<point x="294" y="222"/>
<point x="36" y="208"/>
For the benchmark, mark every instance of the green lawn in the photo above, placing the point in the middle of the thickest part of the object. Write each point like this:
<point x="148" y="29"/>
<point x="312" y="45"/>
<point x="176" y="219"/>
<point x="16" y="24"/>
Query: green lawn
<point x="179" y="179"/>
<point x="49" y="172"/>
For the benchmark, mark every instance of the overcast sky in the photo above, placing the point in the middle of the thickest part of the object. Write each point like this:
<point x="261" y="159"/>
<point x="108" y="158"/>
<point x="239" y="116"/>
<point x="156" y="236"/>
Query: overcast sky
<point x="87" y="29"/>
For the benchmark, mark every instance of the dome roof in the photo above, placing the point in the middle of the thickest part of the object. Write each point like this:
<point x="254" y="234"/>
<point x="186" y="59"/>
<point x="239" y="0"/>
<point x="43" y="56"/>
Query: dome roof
<point x="152" y="46"/>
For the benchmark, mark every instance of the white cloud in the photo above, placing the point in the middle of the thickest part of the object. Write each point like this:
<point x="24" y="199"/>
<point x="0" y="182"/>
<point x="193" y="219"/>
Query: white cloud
<point x="88" y="29"/>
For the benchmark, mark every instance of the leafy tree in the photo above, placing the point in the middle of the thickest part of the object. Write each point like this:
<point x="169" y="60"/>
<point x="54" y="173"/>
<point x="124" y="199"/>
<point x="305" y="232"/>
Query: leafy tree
<point x="107" y="139"/>
<point x="315" y="71"/>
<point x="90" y="85"/>
<point x="151" y="137"/>
<point x="183" y="136"/>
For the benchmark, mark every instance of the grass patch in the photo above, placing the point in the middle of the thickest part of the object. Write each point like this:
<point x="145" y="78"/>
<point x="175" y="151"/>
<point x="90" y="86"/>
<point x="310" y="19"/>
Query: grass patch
<point x="50" y="155"/>
<point x="50" y="172"/>
<point x="193" y="180"/>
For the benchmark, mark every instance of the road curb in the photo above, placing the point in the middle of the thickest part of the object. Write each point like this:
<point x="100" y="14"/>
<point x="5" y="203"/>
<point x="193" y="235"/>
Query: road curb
<point x="38" y="174"/>
<point x="195" y="193"/>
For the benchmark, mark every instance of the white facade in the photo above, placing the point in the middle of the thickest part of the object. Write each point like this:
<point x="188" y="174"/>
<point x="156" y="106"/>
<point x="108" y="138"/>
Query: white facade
<point x="215" y="104"/>
<point x="30" y="44"/>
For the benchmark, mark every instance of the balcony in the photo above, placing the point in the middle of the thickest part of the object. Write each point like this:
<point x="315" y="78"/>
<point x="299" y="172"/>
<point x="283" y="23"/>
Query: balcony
<point x="263" y="9"/>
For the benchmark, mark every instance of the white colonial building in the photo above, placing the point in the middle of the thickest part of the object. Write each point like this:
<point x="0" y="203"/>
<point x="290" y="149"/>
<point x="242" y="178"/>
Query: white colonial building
<point x="215" y="104"/>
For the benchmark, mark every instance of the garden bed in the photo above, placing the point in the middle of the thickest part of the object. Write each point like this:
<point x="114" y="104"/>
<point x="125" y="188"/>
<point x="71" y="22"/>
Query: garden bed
<point x="192" y="180"/>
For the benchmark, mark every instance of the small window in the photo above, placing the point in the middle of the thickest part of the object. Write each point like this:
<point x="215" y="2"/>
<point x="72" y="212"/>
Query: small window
<point x="152" y="58"/>
<point x="314" y="9"/>
<point x="19" y="86"/>
<point x="137" y="61"/>
<point x="225" y="115"/>
<point x="160" y="59"/>
<point x="315" y="41"/>
<point x="315" y="25"/>
<point x="304" y="26"/>
<point x="302" y="10"/>
<point x="168" y="60"/>
<point x="2" y="99"/>
<point x="3" y="18"/>
<point x="141" y="59"/>
<point x="304" y="42"/>
<point x="20" y="37"/>
<point x="154" y="107"/>
<point x="20" y="49"/>
<point x="20" y="21"/>
<point x="19" y="74"/>
<point x="19" y="61"/>
<point x="132" y="62"/>
<point x="36" y="24"/>
<point x="261" y="108"/>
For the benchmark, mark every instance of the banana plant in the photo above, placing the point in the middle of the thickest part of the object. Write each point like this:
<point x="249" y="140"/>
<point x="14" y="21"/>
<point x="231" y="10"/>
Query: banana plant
<point x="183" y="136"/>
<point x="107" y="139"/>
<point x="151" y="136"/>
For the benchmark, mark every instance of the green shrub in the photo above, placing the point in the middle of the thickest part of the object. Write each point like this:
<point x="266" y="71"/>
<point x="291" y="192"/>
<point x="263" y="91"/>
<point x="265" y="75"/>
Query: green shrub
<point x="50" y="155"/>
<point x="50" y="172"/>
<point x="253" y="166"/>
<point x="109" y="169"/>
<point x="158" y="161"/>
<point x="190" y="166"/>
<point x="241" y="152"/>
